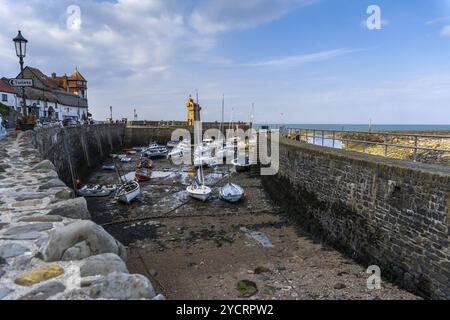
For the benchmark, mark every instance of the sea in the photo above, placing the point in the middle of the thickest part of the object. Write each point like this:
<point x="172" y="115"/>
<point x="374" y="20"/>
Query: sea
<point x="362" y="127"/>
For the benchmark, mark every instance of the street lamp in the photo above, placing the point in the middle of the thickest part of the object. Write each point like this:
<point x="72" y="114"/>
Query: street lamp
<point x="21" y="51"/>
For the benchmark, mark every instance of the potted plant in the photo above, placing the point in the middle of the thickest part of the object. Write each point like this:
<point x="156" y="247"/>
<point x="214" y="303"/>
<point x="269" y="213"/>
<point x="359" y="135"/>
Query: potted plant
<point x="27" y="123"/>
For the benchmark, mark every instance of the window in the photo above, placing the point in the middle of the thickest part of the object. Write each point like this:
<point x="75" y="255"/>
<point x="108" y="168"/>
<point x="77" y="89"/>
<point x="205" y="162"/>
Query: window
<point x="4" y="97"/>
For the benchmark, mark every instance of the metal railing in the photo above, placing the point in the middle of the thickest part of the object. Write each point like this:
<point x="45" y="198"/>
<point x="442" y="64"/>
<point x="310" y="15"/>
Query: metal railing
<point x="364" y="139"/>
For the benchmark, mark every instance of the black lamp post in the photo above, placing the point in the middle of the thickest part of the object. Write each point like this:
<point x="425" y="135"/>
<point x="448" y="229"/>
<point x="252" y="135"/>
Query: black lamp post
<point x="21" y="51"/>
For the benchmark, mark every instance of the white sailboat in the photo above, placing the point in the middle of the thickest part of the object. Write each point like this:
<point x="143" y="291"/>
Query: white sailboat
<point x="197" y="189"/>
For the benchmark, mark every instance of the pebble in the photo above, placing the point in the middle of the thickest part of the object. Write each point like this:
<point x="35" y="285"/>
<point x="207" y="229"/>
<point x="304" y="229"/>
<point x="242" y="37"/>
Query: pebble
<point x="153" y="272"/>
<point x="45" y="291"/>
<point x="340" y="286"/>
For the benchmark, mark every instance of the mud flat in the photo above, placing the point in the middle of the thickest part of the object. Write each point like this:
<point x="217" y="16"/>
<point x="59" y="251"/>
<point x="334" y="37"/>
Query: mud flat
<point x="194" y="250"/>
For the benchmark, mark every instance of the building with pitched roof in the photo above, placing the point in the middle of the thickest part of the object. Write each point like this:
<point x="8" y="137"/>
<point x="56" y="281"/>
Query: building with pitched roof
<point x="55" y="97"/>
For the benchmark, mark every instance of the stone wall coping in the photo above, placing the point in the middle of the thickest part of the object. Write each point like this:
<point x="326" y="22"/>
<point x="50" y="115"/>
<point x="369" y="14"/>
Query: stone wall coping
<point x="367" y="159"/>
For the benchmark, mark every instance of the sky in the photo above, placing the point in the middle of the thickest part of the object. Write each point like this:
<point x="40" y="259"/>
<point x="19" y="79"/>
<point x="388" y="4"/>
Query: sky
<point x="298" y="61"/>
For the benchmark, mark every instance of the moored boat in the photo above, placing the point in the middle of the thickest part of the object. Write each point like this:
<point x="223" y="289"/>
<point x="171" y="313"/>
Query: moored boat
<point x="145" y="163"/>
<point x="108" y="167"/>
<point x="91" y="191"/>
<point x="231" y="192"/>
<point x="143" y="174"/>
<point x="128" y="192"/>
<point x="125" y="159"/>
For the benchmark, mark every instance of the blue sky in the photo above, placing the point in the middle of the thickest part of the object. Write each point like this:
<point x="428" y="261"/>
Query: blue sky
<point x="299" y="61"/>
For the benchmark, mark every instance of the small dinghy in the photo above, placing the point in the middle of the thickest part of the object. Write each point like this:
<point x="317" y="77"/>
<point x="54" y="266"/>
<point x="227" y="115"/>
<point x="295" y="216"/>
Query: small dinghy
<point x="231" y="192"/>
<point x="156" y="151"/>
<point x="91" y="191"/>
<point x="197" y="189"/>
<point x="145" y="163"/>
<point x="241" y="166"/>
<point x="109" y="167"/>
<point x="121" y="156"/>
<point x="128" y="192"/>
<point x="125" y="159"/>
<point x="143" y="174"/>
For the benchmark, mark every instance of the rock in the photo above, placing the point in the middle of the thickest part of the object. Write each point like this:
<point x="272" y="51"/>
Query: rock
<point x="38" y="275"/>
<point x="28" y="203"/>
<point x="103" y="264"/>
<point x="4" y="166"/>
<point x="23" y="236"/>
<point x="54" y="183"/>
<point x="153" y="272"/>
<point x="159" y="297"/>
<point x="247" y="288"/>
<point x="29" y="152"/>
<point x="30" y="196"/>
<point x="72" y="208"/>
<point x="4" y="292"/>
<point x="264" y="277"/>
<point x="45" y="165"/>
<point x="97" y="239"/>
<point x="340" y="286"/>
<point x="76" y="294"/>
<point x="45" y="291"/>
<point x="42" y="219"/>
<point x="36" y="227"/>
<point x="122" y="286"/>
<point x="65" y="194"/>
<point x="40" y="242"/>
<point x="22" y="262"/>
<point x="10" y="250"/>
<point x="3" y="225"/>
<point x="2" y="261"/>
<point x="81" y="249"/>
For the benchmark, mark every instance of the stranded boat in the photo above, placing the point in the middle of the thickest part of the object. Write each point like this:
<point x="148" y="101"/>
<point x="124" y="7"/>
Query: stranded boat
<point x="198" y="190"/>
<point x="128" y="192"/>
<point x="145" y="163"/>
<point x="91" y="191"/>
<point x="143" y="174"/>
<point x="231" y="192"/>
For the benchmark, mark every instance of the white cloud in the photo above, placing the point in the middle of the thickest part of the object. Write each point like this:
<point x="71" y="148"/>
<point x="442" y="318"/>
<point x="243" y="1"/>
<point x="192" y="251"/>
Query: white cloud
<point x="446" y="31"/>
<point x="297" y="60"/>
<point x="221" y="15"/>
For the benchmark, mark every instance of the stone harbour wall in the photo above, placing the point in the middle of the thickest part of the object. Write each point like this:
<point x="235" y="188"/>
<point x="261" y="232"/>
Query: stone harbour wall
<point x="385" y="212"/>
<point x="49" y="249"/>
<point x="75" y="151"/>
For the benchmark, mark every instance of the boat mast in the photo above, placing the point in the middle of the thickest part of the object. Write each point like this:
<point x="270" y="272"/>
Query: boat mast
<point x="201" y="151"/>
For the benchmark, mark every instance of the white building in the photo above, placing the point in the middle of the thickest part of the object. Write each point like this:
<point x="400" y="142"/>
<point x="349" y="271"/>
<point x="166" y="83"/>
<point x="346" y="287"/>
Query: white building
<point x="8" y="96"/>
<point x="54" y="97"/>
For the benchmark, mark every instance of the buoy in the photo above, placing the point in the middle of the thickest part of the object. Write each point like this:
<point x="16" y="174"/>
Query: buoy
<point x="245" y="196"/>
<point x="77" y="182"/>
<point x="17" y="127"/>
